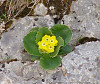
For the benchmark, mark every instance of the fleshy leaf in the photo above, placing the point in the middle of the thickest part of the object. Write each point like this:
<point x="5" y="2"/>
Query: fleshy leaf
<point x="42" y="31"/>
<point x="63" y="31"/>
<point x="33" y="58"/>
<point x="50" y="63"/>
<point x="34" y="29"/>
<point x="57" y="48"/>
<point x="65" y="50"/>
<point x="30" y="43"/>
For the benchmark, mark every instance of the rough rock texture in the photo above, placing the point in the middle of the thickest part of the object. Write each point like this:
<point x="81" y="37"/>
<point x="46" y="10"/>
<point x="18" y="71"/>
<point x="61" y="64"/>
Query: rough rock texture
<point x="12" y="41"/>
<point x="83" y="64"/>
<point x="84" y="19"/>
<point x="24" y="73"/>
<point x="0" y="50"/>
<point x="40" y="9"/>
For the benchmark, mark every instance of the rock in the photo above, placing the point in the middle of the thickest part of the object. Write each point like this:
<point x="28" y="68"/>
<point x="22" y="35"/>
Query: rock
<point x="83" y="64"/>
<point x="33" y="71"/>
<point x="0" y="51"/>
<point x="6" y="81"/>
<point x="84" y="19"/>
<point x="11" y="42"/>
<point x="40" y="9"/>
<point x="27" y="73"/>
<point x="11" y="73"/>
<point x="15" y="67"/>
<point x="80" y="66"/>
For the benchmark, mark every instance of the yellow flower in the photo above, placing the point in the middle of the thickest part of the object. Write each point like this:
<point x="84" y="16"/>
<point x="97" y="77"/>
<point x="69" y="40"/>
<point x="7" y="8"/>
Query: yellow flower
<point x="46" y="38"/>
<point x="42" y="45"/>
<point x="48" y="43"/>
<point x="53" y="41"/>
<point x="50" y="49"/>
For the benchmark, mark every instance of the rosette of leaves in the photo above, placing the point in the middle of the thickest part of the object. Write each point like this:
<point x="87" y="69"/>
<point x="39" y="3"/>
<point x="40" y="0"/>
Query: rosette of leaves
<point x="48" y="60"/>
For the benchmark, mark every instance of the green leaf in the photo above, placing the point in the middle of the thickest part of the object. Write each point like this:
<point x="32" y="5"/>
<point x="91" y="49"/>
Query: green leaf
<point x="42" y="31"/>
<point x="34" y="29"/>
<point x="30" y="44"/>
<point x="63" y="31"/>
<point x="33" y="58"/>
<point x="50" y="63"/>
<point x="57" y="48"/>
<point x="65" y="50"/>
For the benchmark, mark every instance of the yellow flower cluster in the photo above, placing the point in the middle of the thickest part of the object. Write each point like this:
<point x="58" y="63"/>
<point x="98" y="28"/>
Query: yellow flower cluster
<point x="48" y="43"/>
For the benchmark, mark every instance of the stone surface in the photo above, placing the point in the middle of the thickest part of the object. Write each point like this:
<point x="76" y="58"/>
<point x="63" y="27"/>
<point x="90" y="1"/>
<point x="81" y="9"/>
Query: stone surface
<point x="40" y="9"/>
<point x="26" y="73"/>
<point x="83" y="64"/>
<point x="84" y="19"/>
<point x="11" y="43"/>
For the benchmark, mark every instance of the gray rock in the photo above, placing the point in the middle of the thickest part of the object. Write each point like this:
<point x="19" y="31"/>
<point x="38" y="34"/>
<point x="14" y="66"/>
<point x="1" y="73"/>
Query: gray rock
<point x="16" y="67"/>
<point x="11" y="42"/>
<point x="17" y="72"/>
<point x="83" y="64"/>
<point x="84" y="19"/>
<point x="0" y="51"/>
<point x="80" y="66"/>
<point x="40" y="9"/>
<point x="11" y="73"/>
